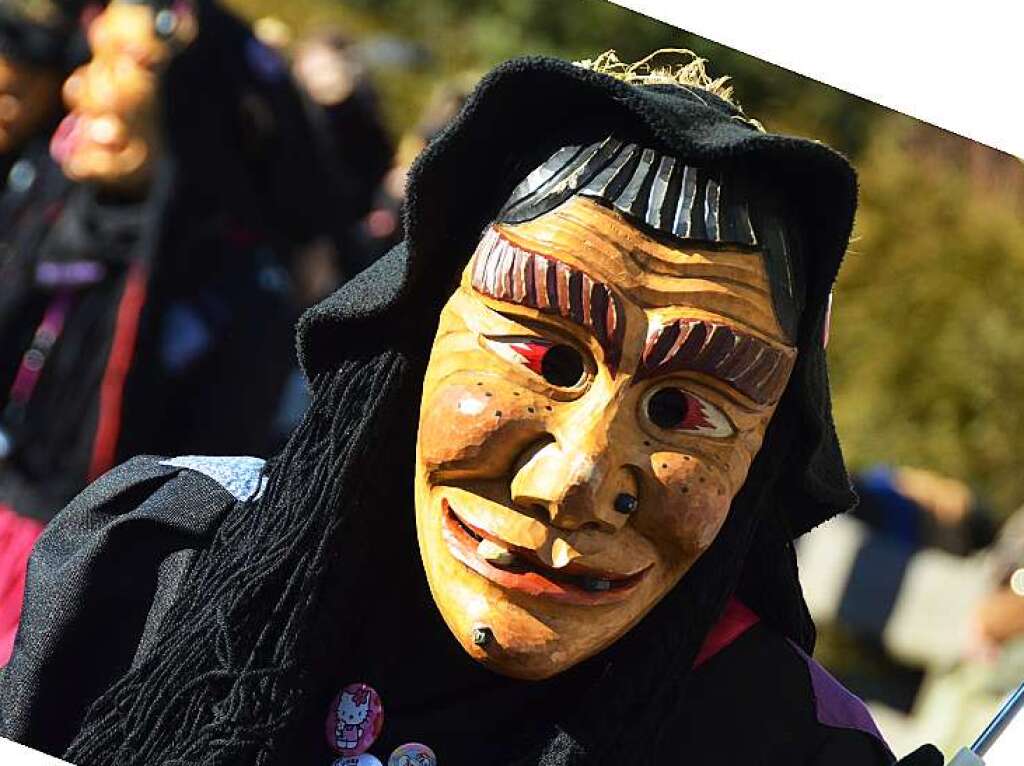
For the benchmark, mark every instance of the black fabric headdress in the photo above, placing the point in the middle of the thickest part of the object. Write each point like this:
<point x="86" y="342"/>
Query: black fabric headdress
<point x="656" y="191"/>
<point x="528" y="109"/>
<point x="261" y="608"/>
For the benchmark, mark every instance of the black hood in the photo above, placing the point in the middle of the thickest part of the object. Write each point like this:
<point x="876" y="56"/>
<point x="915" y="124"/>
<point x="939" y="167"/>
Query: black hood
<point x="528" y="108"/>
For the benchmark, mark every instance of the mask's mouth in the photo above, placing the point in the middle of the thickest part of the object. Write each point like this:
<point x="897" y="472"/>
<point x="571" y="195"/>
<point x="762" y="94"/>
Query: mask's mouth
<point x="521" y="570"/>
<point x="102" y="131"/>
<point x="66" y="138"/>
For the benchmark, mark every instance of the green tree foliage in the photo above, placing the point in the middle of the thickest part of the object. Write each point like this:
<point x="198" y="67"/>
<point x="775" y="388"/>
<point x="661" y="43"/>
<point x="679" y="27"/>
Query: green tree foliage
<point x="927" y="358"/>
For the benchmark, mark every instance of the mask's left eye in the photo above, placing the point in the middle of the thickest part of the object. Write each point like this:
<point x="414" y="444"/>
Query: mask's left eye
<point x="558" y="363"/>
<point x="674" y="409"/>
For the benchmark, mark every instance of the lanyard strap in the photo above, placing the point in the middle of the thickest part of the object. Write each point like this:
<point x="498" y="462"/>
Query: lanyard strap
<point x="35" y="358"/>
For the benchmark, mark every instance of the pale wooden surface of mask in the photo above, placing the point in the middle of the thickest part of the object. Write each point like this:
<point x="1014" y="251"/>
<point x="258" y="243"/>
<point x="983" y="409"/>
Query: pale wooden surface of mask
<point x="520" y="469"/>
<point x="29" y="96"/>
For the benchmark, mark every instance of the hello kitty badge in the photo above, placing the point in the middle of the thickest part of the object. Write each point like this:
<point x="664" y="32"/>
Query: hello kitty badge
<point x="354" y="720"/>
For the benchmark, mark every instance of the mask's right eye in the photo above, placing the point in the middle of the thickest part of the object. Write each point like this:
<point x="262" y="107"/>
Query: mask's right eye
<point x="557" y="363"/>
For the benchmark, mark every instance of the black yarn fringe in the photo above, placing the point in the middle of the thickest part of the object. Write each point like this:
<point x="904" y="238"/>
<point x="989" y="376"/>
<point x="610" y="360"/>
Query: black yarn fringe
<point x="222" y="682"/>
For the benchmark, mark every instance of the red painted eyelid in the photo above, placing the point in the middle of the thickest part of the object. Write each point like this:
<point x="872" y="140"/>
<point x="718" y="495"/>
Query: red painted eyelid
<point x="692" y="420"/>
<point x="533" y="352"/>
<point x="698" y="398"/>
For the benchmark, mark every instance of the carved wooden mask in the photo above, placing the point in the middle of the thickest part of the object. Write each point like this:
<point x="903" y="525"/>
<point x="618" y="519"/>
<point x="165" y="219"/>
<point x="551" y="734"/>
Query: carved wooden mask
<point x="29" y="95"/>
<point x="593" y="401"/>
<point x="111" y="135"/>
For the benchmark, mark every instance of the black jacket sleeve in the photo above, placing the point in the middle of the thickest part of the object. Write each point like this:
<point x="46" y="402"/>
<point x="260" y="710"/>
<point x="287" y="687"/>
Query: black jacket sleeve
<point x="98" y="581"/>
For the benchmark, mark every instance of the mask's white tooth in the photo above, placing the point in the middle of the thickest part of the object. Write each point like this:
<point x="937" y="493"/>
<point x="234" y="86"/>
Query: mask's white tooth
<point x="494" y="553"/>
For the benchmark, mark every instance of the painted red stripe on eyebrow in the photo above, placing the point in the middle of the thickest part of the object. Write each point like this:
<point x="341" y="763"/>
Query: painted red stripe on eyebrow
<point x="586" y="289"/>
<point x="507" y="272"/>
<point x="540" y="270"/>
<point x="530" y="298"/>
<point x="659" y="344"/>
<point x="491" y="268"/>
<point x="740" y="358"/>
<point x="598" y="313"/>
<point x="696" y="334"/>
<point x="480" y="263"/>
<point x="552" y="287"/>
<point x="748" y="364"/>
<point x="562" y="288"/>
<point x="519" y="276"/>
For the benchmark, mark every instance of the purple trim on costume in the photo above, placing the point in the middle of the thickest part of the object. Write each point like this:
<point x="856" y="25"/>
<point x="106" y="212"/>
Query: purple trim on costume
<point x="835" y="704"/>
<point x="69" y="274"/>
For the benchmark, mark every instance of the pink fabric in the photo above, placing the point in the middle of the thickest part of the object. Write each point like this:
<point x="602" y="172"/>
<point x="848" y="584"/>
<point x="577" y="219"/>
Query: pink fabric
<point x="736" y="620"/>
<point x="17" y="536"/>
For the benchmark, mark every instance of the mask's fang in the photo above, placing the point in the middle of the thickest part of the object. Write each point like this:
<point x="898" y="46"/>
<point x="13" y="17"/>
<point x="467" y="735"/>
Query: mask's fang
<point x="495" y="554"/>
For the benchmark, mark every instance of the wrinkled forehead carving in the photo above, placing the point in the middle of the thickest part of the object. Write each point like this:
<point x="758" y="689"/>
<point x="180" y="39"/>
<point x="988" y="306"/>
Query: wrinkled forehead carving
<point x="505" y="271"/>
<point x="674" y="200"/>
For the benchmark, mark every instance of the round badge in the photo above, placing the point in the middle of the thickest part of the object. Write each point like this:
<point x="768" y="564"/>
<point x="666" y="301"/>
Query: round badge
<point x="412" y="754"/>
<point x="357" y="760"/>
<point x="354" y="720"/>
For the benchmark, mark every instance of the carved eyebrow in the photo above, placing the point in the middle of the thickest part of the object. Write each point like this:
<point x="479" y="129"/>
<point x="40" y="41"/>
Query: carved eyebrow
<point x="506" y="272"/>
<point x="747" y="364"/>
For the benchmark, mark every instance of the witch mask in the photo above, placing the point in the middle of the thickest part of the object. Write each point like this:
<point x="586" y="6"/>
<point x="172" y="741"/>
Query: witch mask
<point x="598" y="387"/>
<point x="111" y="135"/>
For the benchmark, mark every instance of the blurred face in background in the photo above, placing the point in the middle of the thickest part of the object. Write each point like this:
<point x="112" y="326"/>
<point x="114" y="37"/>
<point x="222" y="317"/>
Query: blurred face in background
<point x="1000" y="615"/>
<point x="327" y="71"/>
<point x="111" y="136"/>
<point x="28" y="96"/>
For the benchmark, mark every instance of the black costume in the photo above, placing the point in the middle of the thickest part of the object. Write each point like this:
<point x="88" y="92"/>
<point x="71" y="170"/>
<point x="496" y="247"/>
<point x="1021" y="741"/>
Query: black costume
<point x="158" y="325"/>
<point x="257" y="590"/>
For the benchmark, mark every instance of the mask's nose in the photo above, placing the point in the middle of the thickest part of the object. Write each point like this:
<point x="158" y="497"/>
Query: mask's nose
<point x="576" y="488"/>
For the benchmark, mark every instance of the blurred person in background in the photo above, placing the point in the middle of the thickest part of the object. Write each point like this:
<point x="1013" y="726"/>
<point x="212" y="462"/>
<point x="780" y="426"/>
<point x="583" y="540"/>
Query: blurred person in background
<point x="381" y="229"/>
<point x="150" y="314"/>
<point x="923" y="509"/>
<point x="967" y="634"/>
<point x="958" y="699"/>
<point x="354" y="151"/>
<point x="355" y="146"/>
<point x="40" y="42"/>
<point x="328" y="67"/>
<point x="893" y="587"/>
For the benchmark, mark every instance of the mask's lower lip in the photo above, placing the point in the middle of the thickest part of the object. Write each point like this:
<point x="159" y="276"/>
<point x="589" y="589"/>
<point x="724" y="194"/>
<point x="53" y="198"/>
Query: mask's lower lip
<point x="528" y="576"/>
